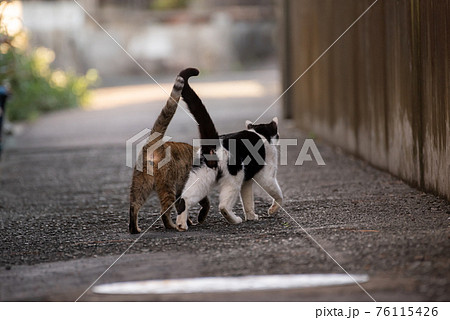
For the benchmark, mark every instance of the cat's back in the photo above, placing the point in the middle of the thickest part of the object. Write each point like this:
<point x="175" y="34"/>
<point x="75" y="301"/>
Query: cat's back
<point x="241" y="135"/>
<point x="244" y="145"/>
<point x="180" y="150"/>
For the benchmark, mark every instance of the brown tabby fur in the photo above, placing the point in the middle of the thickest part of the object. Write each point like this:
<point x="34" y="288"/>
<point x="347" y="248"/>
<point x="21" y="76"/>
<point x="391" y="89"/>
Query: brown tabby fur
<point x="169" y="180"/>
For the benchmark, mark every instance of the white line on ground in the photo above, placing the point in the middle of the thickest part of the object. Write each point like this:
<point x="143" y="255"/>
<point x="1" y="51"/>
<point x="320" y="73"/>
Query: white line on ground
<point x="228" y="284"/>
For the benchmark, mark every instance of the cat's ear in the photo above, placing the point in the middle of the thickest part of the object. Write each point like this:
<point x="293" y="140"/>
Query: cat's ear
<point x="275" y="120"/>
<point x="248" y="124"/>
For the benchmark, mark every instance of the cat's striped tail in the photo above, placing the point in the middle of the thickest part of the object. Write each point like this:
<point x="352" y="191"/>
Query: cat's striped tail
<point x="167" y="113"/>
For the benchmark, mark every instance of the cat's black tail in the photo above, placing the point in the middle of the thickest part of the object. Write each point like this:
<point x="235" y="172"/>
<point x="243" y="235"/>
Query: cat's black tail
<point x="195" y="105"/>
<point x="206" y="126"/>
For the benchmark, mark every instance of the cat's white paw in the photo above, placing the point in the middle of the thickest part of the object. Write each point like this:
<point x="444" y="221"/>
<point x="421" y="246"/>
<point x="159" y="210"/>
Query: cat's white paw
<point x="181" y="227"/>
<point x="230" y="216"/>
<point x="181" y="223"/>
<point x="251" y="216"/>
<point x="274" y="208"/>
<point x="237" y="220"/>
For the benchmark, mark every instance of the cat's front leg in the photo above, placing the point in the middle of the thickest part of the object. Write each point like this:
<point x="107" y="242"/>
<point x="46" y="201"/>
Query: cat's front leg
<point x="247" y="200"/>
<point x="275" y="192"/>
<point x="270" y="185"/>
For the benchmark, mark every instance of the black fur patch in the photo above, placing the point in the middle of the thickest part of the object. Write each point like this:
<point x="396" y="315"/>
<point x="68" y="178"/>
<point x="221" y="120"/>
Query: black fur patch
<point x="267" y="130"/>
<point x="181" y="207"/>
<point x="204" y="210"/>
<point x="189" y="72"/>
<point x="238" y="156"/>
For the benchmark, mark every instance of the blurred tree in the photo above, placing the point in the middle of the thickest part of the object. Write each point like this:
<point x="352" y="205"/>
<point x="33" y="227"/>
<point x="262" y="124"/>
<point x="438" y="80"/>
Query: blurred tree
<point x="34" y="86"/>
<point x="147" y="4"/>
<point x="168" y="4"/>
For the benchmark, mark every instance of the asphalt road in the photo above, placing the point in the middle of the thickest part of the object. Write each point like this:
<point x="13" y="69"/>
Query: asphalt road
<point x="64" y="212"/>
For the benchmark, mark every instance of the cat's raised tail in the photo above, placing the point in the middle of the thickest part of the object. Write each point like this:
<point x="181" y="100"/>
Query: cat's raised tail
<point x="167" y="113"/>
<point x="197" y="108"/>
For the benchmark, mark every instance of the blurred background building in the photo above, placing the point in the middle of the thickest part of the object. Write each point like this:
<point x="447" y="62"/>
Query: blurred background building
<point x="163" y="36"/>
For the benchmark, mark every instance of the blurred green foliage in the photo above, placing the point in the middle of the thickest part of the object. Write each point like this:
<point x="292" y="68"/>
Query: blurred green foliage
<point x="168" y="4"/>
<point x="35" y="87"/>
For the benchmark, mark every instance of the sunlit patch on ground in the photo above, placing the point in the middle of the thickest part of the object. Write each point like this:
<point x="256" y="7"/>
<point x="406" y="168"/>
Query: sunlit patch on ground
<point x="113" y="97"/>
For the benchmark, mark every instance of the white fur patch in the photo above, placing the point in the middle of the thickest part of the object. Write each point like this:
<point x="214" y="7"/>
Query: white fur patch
<point x="275" y="120"/>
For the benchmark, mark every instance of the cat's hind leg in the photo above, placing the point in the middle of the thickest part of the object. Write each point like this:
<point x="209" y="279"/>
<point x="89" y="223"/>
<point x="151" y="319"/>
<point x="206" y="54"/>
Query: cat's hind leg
<point x="167" y="200"/>
<point x="229" y="192"/>
<point x="247" y="200"/>
<point x="133" y="225"/>
<point x="205" y="207"/>
<point x="197" y="187"/>
<point x="139" y="192"/>
<point x="179" y="205"/>
<point x="204" y="210"/>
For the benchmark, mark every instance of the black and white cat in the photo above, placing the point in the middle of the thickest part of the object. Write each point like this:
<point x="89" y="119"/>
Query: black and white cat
<point x="231" y="162"/>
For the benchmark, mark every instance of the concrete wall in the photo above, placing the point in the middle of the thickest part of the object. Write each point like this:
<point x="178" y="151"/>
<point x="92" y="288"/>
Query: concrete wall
<point x="204" y="36"/>
<point x="382" y="92"/>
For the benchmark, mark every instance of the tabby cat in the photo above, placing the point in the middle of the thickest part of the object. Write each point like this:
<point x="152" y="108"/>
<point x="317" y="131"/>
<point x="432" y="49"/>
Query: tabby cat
<point x="231" y="162"/>
<point x="169" y="180"/>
